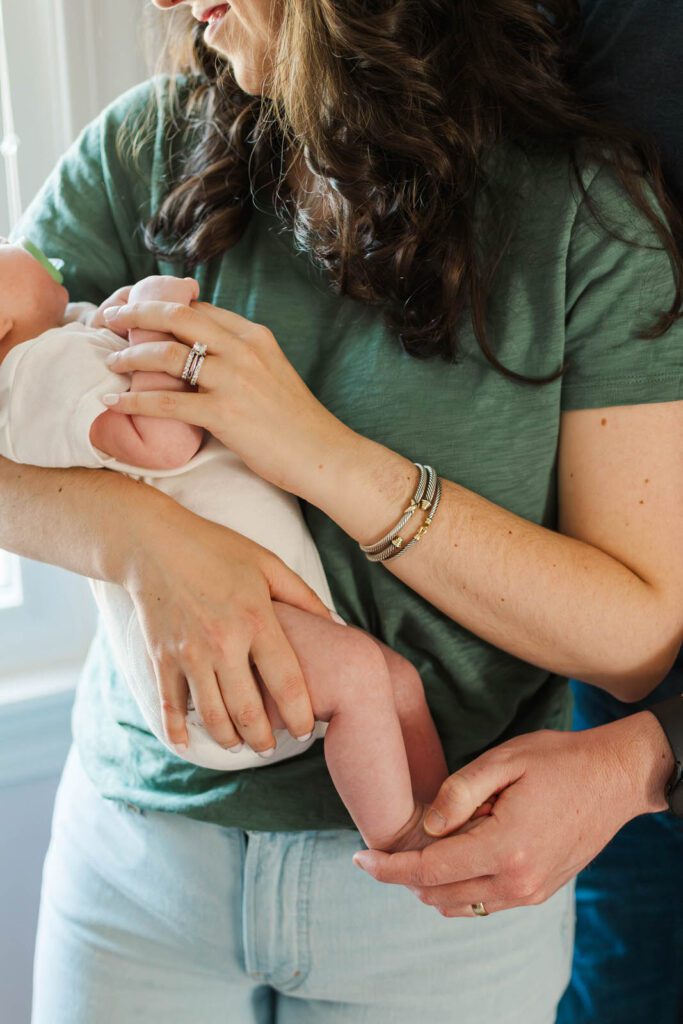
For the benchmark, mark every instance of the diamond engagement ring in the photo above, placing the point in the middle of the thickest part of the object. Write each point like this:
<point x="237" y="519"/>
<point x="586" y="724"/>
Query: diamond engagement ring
<point x="480" y="910"/>
<point x="193" y="364"/>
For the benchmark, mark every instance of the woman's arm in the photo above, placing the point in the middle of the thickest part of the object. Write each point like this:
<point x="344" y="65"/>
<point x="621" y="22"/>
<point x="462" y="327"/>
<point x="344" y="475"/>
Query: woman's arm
<point x="600" y="602"/>
<point x="71" y="517"/>
<point x="204" y="594"/>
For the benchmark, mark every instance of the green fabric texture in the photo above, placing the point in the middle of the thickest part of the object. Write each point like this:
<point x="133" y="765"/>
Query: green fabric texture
<point x="565" y="290"/>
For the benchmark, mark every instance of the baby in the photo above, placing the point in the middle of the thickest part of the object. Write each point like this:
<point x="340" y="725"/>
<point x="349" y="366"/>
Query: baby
<point x="381" y="746"/>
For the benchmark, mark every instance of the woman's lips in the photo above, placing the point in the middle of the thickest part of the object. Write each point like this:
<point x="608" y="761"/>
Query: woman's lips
<point x="215" y="13"/>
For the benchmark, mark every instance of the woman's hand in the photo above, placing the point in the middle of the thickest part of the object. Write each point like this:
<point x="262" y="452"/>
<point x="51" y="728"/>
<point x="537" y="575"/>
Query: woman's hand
<point x="250" y="397"/>
<point x="114" y="301"/>
<point x="560" y="799"/>
<point x="203" y="595"/>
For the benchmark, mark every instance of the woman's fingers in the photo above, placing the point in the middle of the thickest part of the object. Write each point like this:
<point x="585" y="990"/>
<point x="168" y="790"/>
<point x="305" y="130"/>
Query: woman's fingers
<point x="233" y="322"/>
<point x="172" y="687"/>
<point x="120" y="296"/>
<point x="209" y="703"/>
<point x="205" y="602"/>
<point x="282" y="676"/>
<point x="162" y="356"/>
<point x="242" y="697"/>
<point x="187" y="323"/>
<point x="289" y="588"/>
<point x="186" y="406"/>
<point x="228" y="703"/>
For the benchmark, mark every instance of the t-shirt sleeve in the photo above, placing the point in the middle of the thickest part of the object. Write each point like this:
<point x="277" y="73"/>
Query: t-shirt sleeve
<point x="51" y="391"/>
<point x="91" y="209"/>
<point x="615" y="290"/>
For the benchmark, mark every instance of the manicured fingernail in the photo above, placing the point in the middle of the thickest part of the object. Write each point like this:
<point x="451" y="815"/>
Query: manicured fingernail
<point x="266" y="753"/>
<point x="361" y="860"/>
<point x="307" y="736"/>
<point x="111" y="358"/>
<point x="110" y="400"/>
<point x="181" y="747"/>
<point x="111" y="313"/>
<point x="434" y="823"/>
<point x="236" y="748"/>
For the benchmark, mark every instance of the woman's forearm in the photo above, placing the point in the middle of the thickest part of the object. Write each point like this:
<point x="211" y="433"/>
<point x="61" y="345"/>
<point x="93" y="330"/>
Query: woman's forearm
<point x="84" y="520"/>
<point x="546" y="598"/>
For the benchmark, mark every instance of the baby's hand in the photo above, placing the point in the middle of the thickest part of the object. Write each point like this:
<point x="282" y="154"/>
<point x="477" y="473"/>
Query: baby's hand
<point x="143" y="440"/>
<point x="165" y="289"/>
<point x="173" y="289"/>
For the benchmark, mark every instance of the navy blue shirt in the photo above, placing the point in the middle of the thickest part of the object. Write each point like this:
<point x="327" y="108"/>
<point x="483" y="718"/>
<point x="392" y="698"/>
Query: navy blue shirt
<point x="631" y="63"/>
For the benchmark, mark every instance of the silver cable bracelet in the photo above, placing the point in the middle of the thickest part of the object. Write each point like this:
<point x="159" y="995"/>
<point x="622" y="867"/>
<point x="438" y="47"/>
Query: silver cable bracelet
<point x="423" y="529"/>
<point x="382" y="551"/>
<point x="408" y="513"/>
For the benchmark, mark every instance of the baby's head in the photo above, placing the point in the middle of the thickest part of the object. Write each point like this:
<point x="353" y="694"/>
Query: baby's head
<point x="32" y="298"/>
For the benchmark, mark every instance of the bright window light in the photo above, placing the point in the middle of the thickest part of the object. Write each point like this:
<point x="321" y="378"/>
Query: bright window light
<point x="9" y="144"/>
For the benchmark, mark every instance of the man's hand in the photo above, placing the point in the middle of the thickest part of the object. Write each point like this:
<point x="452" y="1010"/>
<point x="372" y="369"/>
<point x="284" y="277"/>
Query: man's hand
<point x="560" y="799"/>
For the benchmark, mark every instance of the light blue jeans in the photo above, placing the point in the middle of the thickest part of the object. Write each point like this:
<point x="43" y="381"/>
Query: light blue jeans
<point x="161" y="919"/>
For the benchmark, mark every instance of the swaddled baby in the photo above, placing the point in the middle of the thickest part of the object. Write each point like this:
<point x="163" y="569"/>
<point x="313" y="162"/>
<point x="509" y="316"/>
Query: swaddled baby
<point x="53" y="375"/>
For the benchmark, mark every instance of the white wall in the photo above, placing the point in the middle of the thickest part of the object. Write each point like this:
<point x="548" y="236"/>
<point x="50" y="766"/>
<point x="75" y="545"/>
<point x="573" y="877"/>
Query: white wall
<point x="68" y="59"/>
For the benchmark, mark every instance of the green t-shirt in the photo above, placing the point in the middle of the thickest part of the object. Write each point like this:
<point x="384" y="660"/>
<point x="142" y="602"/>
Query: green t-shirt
<point x="565" y="290"/>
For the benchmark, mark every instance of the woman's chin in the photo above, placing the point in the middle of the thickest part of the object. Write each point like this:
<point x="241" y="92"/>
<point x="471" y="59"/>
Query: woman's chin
<point x="249" y="81"/>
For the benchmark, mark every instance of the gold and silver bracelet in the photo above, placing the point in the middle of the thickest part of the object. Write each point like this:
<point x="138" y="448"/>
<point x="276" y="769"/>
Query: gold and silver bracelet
<point x="408" y="513"/>
<point x="427" y="497"/>
<point x="389" y="555"/>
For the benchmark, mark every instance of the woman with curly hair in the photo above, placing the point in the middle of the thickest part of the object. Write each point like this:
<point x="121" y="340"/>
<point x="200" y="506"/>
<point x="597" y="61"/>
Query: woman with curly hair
<point x="436" y="256"/>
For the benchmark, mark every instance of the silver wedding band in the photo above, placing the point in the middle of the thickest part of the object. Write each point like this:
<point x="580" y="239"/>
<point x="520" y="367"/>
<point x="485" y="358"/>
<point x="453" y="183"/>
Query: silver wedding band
<point x="480" y="910"/>
<point x="193" y="364"/>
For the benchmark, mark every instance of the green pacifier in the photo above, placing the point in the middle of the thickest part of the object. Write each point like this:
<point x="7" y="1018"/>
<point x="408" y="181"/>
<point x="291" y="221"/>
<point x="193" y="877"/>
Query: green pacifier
<point x="53" y="267"/>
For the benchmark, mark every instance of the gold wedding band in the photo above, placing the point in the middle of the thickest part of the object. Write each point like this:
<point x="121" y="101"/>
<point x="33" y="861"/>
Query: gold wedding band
<point x="480" y="910"/>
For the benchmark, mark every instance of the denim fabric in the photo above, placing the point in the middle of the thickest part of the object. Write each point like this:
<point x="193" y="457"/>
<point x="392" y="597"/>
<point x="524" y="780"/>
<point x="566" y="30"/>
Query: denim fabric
<point x="628" y="958"/>
<point x="159" y="918"/>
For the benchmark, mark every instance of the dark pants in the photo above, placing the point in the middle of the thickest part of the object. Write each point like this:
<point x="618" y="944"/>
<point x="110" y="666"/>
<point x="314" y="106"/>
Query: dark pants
<point x="628" y="958"/>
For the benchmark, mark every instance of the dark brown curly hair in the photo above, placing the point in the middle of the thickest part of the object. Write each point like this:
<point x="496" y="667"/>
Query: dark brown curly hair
<point x="394" y="106"/>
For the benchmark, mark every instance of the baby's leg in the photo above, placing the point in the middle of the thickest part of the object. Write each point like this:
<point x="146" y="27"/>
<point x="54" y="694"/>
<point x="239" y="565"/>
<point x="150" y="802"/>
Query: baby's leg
<point x="351" y="688"/>
<point x="426" y="760"/>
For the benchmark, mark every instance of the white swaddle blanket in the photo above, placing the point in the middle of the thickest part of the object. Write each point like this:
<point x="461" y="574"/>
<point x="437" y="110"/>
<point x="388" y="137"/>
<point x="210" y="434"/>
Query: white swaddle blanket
<point x="50" y="394"/>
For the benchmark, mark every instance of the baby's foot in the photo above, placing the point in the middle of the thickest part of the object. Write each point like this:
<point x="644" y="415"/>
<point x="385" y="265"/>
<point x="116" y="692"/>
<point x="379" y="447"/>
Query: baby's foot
<point x="411" y="837"/>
